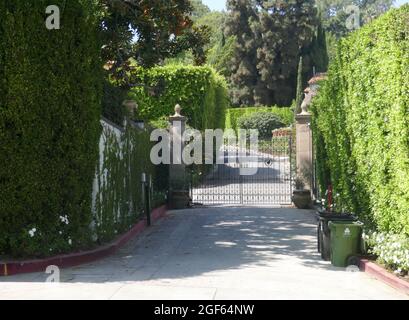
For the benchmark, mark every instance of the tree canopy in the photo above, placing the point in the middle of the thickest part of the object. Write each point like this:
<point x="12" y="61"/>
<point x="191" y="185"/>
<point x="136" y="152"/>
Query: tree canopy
<point x="335" y="13"/>
<point x="271" y="36"/>
<point x="148" y="31"/>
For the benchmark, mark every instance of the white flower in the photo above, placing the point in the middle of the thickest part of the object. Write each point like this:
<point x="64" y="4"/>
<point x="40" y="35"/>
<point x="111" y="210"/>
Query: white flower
<point x="398" y="271"/>
<point x="64" y="219"/>
<point x="69" y="241"/>
<point x="32" y="232"/>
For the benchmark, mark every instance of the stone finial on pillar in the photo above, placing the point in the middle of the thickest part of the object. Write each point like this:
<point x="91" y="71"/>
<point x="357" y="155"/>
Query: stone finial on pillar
<point x="178" y="110"/>
<point x="178" y="184"/>
<point x="131" y="108"/>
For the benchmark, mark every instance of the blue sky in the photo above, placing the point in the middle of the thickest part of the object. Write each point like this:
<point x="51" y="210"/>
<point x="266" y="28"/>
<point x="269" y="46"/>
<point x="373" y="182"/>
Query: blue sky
<point x="215" y="4"/>
<point x="221" y="4"/>
<point x="400" y="2"/>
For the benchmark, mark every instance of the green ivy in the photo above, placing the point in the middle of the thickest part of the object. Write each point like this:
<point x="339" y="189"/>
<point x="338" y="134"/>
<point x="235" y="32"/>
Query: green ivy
<point x="361" y="123"/>
<point x="201" y="92"/>
<point x="50" y="89"/>
<point x="118" y="203"/>
<point x="285" y="115"/>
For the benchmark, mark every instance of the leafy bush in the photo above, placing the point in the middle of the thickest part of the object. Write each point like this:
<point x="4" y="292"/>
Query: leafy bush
<point x="49" y="126"/>
<point x="361" y="124"/>
<point x="264" y="122"/>
<point x="392" y="250"/>
<point x="201" y="92"/>
<point x="285" y="115"/>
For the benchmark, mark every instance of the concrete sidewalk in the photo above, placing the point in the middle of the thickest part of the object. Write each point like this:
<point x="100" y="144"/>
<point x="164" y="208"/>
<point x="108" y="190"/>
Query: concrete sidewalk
<point x="211" y="253"/>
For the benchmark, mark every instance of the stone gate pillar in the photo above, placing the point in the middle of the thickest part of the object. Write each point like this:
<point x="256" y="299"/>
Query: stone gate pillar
<point x="304" y="153"/>
<point x="178" y="182"/>
<point x="304" y="150"/>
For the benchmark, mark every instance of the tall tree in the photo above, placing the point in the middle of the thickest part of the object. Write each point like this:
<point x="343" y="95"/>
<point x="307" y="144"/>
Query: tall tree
<point x="271" y="36"/>
<point x="148" y="31"/>
<point x="244" y="74"/>
<point x="298" y="98"/>
<point x="199" y="9"/>
<point x="287" y="28"/>
<point x="335" y="13"/>
<point x="319" y="50"/>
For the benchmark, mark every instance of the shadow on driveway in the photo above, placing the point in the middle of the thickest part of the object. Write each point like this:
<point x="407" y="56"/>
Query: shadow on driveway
<point x="197" y="242"/>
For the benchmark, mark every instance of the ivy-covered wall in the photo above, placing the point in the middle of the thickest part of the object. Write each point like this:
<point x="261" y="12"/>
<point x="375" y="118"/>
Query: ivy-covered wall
<point x="201" y="92"/>
<point x="50" y="88"/>
<point x="285" y="115"/>
<point x="361" y="124"/>
<point x="117" y="196"/>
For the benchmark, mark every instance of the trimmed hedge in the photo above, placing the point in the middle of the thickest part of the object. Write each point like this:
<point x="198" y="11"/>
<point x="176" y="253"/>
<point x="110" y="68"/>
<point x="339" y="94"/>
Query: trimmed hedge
<point x="50" y="88"/>
<point x="201" y="92"/>
<point x="264" y="122"/>
<point x="361" y="124"/>
<point x="285" y="115"/>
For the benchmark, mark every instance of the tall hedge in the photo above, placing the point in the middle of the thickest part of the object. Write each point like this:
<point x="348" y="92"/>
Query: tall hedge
<point x="49" y="126"/>
<point x="361" y="123"/>
<point x="285" y="115"/>
<point x="201" y="92"/>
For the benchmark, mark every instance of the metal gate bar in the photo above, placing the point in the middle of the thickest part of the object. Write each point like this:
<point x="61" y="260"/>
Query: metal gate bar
<point x="222" y="184"/>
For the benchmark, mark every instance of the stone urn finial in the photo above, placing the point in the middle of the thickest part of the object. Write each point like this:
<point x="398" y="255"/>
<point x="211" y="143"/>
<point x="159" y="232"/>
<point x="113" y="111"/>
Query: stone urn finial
<point x="178" y="110"/>
<point x="131" y="106"/>
<point x="307" y="101"/>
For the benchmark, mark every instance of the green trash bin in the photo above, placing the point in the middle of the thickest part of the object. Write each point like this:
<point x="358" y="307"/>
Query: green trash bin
<point x="345" y="241"/>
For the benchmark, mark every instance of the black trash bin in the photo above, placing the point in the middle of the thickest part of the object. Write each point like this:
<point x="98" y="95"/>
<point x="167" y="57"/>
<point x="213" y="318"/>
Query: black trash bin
<point x="324" y="233"/>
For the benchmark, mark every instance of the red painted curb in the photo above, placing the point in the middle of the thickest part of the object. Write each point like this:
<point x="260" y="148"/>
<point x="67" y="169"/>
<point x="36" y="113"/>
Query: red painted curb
<point x="384" y="275"/>
<point x="75" y="259"/>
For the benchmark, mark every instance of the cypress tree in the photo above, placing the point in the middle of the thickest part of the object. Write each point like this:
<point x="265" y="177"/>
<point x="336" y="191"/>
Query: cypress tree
<point x="299" y="96"/>
<point x="319" y="52"/>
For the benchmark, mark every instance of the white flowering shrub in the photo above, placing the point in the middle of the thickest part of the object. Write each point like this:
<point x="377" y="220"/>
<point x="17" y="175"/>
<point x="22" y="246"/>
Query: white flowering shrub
<point x="392" y="250"/>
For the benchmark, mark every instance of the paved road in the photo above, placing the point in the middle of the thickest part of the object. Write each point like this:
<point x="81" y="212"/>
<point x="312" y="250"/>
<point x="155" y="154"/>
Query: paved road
<point x="214" y="253"/>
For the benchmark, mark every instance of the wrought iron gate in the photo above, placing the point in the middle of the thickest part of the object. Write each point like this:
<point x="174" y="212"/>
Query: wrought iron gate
<point x="225" y="184"/>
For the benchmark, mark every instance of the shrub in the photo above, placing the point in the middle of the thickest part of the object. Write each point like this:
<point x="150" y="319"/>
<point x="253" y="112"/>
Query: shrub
<point x="361" y="124"/>
<point x="49" y="126"/>
<point x="392" y="250"/>
<point x="264" y="122"/>
<point x="285" y="115"/>
<point x="201" y="92"/>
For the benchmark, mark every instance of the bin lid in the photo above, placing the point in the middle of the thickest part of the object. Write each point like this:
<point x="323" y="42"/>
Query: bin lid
<point x="344" y="229"/>
<point x="331" y="216"/>
<point x="343" y="224"/>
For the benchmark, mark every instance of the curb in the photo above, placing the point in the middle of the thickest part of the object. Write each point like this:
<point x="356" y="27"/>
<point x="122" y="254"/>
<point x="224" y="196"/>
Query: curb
<point x="75" y="259"/>
<point x="384" y="275"/>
